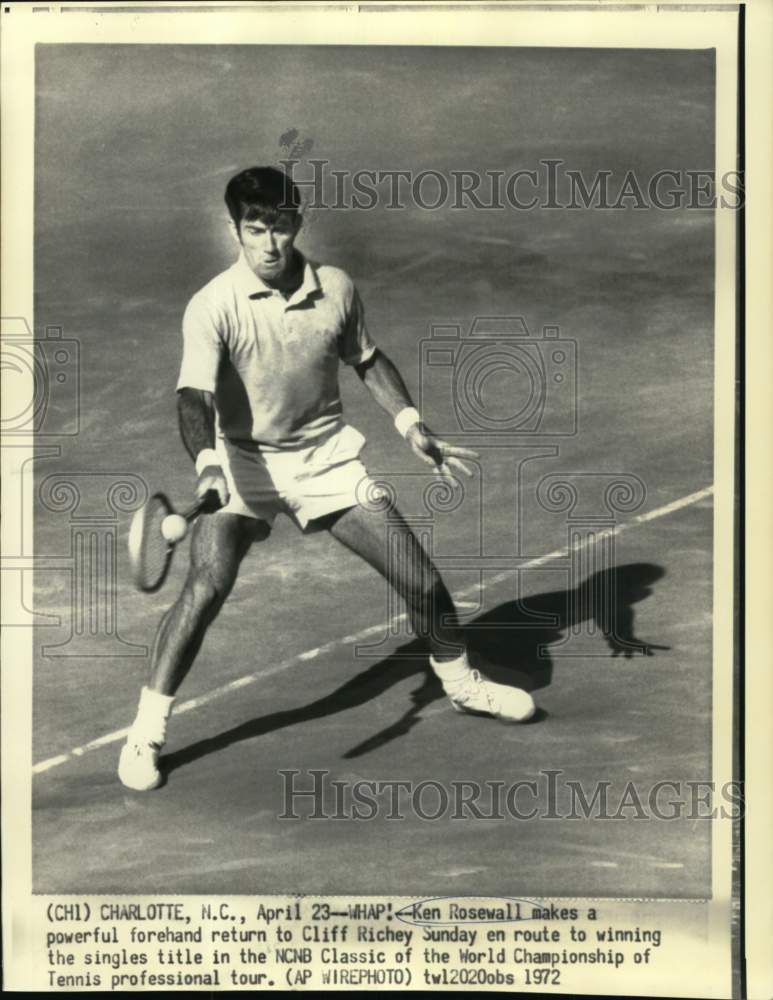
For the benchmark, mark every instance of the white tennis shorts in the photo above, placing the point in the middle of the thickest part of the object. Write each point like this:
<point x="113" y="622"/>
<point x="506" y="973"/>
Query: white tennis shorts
<point x="306" y="482"/>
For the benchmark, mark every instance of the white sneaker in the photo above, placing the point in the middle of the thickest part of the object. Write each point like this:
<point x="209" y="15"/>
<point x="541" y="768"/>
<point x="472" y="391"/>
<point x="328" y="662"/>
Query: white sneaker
<point x="481" y="696"/>
<point x="138" y="765"/>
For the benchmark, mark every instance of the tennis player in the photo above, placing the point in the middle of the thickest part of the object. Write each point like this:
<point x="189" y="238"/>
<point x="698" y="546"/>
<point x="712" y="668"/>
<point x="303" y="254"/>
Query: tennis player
<point x="260" y="414"/>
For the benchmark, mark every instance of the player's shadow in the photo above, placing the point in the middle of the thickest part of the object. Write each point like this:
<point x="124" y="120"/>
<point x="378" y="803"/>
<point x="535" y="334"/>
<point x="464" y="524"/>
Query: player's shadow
<point x="511" y="643"/>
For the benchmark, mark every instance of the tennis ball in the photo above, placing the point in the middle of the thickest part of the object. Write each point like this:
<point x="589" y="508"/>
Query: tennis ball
<point x="174" y="528"/>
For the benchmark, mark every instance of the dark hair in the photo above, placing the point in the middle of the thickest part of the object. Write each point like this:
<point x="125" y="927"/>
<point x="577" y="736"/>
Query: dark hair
<point x="261" y="193"/>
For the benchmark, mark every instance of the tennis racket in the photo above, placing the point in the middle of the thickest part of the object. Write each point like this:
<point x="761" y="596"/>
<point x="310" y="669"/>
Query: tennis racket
<point x="150" y="552"/>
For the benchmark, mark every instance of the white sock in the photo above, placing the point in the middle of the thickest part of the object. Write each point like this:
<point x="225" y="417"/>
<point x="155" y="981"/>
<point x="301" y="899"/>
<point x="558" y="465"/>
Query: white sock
<point x="452" y="673"/>
<point x="153" y="711"/>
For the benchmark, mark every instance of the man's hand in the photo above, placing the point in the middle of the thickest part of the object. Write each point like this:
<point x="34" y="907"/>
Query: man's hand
<point x="628" y="648"/>
<point x="443" y="456"/>
<point x="212" y="478"/>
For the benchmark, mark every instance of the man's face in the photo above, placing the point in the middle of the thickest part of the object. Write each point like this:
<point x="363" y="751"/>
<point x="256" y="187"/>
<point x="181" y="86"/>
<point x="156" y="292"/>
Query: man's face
<point x="268" y="246"/>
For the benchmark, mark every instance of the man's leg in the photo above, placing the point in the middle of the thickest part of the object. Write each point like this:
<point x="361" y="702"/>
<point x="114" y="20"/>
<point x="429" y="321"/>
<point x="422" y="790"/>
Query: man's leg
<point x="218" y="545"/>
<point x="408" y="568"/>
<point x="411" y="572"/>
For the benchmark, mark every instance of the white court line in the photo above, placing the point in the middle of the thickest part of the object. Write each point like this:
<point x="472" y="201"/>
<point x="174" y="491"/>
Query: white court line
<point x="309" y="654"/>
<point x="654" y="864"/>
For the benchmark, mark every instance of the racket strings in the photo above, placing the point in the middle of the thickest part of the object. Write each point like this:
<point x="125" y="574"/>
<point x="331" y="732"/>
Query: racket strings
<point x="152" y="552"/>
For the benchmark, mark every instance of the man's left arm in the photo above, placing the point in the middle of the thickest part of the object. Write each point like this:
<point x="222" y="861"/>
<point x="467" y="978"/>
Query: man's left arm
<point x="385" y="383"/>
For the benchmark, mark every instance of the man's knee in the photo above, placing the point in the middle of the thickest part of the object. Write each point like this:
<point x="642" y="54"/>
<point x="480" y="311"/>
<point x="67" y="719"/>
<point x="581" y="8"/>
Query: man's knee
<point x="204" y="589"/>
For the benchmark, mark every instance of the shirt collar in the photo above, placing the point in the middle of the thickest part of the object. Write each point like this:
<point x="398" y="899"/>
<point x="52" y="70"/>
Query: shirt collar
<point x="251" y="285"/>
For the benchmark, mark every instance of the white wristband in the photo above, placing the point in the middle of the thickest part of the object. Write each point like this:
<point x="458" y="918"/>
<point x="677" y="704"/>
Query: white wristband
<point x="205" y="458"/>
<point x="406" y="418"/>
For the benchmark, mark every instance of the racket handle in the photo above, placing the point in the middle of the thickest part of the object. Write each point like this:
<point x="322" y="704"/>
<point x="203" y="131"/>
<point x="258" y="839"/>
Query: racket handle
<point x="209" y="503"/>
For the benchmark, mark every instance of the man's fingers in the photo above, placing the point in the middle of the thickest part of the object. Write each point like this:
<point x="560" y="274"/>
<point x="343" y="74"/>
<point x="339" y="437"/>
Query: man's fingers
<point x="216" y="485"/>
<point x="441" y="468"/>
<point x="457" y="463"/>
<point x="424" y="456"/>
<point x="443" y="458"/>
<point x="204" y="486"/>
<point x="452" y="449"/>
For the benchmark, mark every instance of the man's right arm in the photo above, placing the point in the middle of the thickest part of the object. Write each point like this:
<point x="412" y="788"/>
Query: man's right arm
<point x="196" y="415"/>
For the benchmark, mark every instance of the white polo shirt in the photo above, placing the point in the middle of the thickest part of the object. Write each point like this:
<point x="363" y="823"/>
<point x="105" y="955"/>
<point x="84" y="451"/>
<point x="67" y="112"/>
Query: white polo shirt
<point x="272" y="363"/>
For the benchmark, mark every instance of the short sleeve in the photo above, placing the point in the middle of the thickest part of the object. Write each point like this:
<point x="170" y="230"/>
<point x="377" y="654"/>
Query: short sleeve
<point x="202" y="346"/>
<point x="356" y="345"/>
